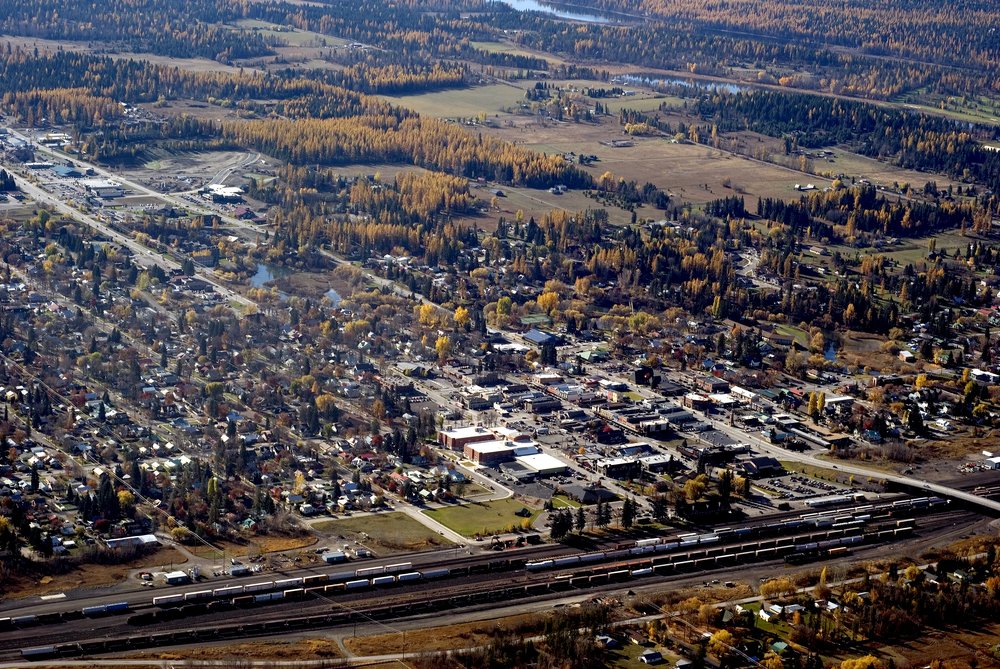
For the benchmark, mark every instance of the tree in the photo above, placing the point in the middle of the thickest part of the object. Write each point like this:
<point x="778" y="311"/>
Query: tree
<point x="777" y="587"/>
<point x="725" y="485"/>
<point x="822" y="590"/>
<point x="581" y="519"/>
<point x="462" y="317"/>
<point x="720" y="642"/>
<point x="628" y="513"/>
<point x="560" y="523"/>
<point x="603" y="514"/>
<point x="695" y="488"/>
<point x="863" y="662"/>
<point x="443" y="348"/>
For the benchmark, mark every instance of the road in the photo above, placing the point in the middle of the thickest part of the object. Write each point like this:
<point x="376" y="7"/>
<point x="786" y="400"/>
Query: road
<point x="143" y="255"/>
<point x="992" y="507"/>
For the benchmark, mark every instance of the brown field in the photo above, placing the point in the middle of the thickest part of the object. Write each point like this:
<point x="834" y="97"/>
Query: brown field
<point x="88" y="576"/>
<point x="384" y="533"/>
<point x="959" y="649"/>
<point x="465" y="635"/>
<point x="300" y="649"/>
<point x="681" y="169"/>
<point x="261" y="544"/>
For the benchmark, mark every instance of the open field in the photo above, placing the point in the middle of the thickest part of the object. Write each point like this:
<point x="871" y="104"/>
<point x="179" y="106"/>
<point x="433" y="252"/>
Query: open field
<point x="482" y="518"/>
<point x="384" y="533"/>
<point x="290" y="35"/>
<point x="536" y="203"/>
<point x="465" y="635"/>
<point x="856" y="165"/>
<point x="683" y="170"/>
<point x="89" y="575"/>
<point x="300" y="649"/>
<point x="261" y="544"/>
<point x="516" y="50"/>
<point x="463" y="102"/>
<point x="165" y="171"/>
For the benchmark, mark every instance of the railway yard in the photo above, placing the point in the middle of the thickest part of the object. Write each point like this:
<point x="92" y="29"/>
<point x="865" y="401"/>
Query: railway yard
<point x="342" y="595"/>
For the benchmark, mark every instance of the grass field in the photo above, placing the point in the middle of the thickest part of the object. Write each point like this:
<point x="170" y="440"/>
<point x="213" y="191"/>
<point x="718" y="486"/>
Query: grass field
<point x="462" y="103"/>
<point x="563" y="502"/>
<point x="291" y="36"/>
<point x="513" y="49"/>
<point x="385" y="533"/>
<point x="482" y="518"/>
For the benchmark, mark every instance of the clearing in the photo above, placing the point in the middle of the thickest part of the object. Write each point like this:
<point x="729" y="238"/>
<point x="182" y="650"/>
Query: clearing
<point x="89" y="575"/>
<point x="490" y="100"/>
<point x="484" y="518"/>
<point x="384" y="533"/>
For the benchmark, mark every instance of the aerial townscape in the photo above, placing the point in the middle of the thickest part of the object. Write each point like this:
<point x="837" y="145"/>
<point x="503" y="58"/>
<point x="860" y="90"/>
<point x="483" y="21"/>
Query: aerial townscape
<point x="500" y="334"/>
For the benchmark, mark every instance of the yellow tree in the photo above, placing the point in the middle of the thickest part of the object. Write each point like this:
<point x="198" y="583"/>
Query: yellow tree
<point x="443" y="348"/>
<point x="462" y="317"/>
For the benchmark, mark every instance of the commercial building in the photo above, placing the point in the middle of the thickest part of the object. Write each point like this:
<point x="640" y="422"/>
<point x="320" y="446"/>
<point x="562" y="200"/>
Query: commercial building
<point x="489" y="453"/>
<point x="543" y="464"/>
<point x="457" y="438"/>
<point x="103" y="188"/>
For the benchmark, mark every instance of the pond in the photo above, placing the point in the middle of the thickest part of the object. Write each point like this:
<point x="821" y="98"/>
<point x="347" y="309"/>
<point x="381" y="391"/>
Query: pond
<point x="266" y="273"/>
<point x="560" y="10"/>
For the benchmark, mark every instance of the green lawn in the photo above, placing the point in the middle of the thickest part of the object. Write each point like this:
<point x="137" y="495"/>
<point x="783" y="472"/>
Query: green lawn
<point x="385" y="533"/>
<point x="563" y="502"/>
<point x="482" y="518"/>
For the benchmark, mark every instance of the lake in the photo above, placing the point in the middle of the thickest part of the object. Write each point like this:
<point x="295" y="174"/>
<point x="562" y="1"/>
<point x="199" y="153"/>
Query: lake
<point x="561" y="11"/>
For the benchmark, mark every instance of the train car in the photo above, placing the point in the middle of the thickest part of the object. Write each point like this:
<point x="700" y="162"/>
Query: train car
<point x="294" y="593"/>
<point x="315" y="579"/>
<point x="117" y="607"/>
<point x="645" y="571"/>
<point x="357" y="584"/>
<point x="245" y="600"/>
<point x="436" y="573"/>
<point x="94" y="610"/>
<point x="228" y="591"/>
<point x="382" y="581"/>
<point x="565" y="561"/>
<point x="646" y="542"/>
<point x="341" y="576"/>
<point x="906" y="522"/>
<point x="168" y="600"/>
<point x="197" y="595"/>
<point x="38" y="653"/>
<point x="369" y="571"/>
<point x="539" y="565"/>
<point x="258" y="587"/>
<point x="839" y="551"/>
<point x="334" y="588"/>
<point x="287" y="583"/>
<point x="618" y="575"/>
<point x="406" y="566"/>
<point x="806" y="548"/>
<point x="409" y="577"/>
<point x="587" y="558"/>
